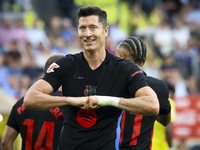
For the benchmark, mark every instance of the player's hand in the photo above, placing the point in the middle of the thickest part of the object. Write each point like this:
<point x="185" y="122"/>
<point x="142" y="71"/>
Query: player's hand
<point x="81" y="102"/>
<point x="92" y="104"/>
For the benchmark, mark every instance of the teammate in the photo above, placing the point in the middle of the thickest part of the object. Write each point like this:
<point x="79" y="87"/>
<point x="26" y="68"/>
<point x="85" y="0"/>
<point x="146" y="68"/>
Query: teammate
<point x="90" y="80"/>
<point x="38" y="129"/>
<point x="162" y="137"/>
<point x="137" y="130"/>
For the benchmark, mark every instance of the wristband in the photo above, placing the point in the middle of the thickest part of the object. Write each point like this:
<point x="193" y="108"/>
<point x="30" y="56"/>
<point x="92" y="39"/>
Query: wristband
<point x="107" y="101"/>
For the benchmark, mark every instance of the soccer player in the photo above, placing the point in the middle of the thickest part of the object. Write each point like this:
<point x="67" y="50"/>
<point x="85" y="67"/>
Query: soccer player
<point x="91" y="80"/>
<point x="137" y="130"/>
<point x="38" y="129"/>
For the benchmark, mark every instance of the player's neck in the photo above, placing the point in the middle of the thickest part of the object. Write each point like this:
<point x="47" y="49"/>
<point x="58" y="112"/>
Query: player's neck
<point x="95" y="58"/>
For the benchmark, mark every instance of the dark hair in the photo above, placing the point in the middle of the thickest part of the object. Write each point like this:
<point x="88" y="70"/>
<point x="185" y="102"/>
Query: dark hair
<point x="92" y="10"/>
<point x="137" y="48"/>
<point x="52" y="58"/>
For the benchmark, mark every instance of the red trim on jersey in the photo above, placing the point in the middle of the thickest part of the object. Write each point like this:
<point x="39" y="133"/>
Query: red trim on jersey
<point x="150" y="146"/>
<point x="136" y="73"/>
<point x="122" y="127"/>
<point x="136" y="129"/>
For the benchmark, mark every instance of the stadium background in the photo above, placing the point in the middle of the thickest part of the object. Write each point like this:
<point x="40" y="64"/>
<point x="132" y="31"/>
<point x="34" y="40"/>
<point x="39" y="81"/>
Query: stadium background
<point x="31" y="30"/>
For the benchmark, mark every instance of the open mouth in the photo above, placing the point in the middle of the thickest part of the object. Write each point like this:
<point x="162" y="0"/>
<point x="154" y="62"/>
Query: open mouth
<point x="90" y="41"/>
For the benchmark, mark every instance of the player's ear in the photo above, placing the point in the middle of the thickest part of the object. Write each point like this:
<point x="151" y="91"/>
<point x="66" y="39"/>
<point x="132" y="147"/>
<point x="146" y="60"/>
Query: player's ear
<point x="123" y="56"/>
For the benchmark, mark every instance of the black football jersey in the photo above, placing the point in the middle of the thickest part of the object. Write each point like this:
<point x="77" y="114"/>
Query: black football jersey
<point x="135" y="131"/>
<point x="93" y="129"/>
<point x="38" y="129"/>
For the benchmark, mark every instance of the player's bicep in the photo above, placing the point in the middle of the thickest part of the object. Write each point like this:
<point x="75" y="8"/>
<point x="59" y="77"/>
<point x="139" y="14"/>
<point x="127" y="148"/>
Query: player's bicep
<point x="42" y="86"/>
<point x="149" y="98"/>
<point x="38" y="91"/>
<point x="145" y="91"/>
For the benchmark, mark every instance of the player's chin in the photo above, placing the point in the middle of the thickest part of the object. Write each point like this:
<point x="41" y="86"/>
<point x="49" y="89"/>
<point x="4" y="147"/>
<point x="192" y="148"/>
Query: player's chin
<point x="89" y="49"/>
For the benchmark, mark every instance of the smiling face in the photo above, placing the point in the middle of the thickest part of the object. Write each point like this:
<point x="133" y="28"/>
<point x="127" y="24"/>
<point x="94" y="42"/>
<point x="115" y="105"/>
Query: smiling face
<point x="92" y="33"/>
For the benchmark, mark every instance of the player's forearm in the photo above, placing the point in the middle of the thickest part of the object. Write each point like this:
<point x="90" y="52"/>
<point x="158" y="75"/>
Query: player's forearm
<point x="168" y="131"/>
<point x="144" y="105"/>
<point x="9" y="136"/>
<point x="7" y="146"/>
<point x="37" y="100"/>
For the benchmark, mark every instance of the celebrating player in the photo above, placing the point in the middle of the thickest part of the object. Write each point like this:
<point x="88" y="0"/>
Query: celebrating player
<point x="91" y="79"/>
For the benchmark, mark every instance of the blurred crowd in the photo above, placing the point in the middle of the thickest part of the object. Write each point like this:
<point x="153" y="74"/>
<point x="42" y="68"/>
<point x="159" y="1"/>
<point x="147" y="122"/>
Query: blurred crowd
<point x="170" y="28"/>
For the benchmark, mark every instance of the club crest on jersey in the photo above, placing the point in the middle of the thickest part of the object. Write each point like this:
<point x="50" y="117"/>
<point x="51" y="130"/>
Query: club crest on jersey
<point x="51" y="67"/>
<point x="90" y="90"/>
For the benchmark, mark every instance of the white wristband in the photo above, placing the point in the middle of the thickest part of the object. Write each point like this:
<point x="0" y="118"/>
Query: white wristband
<point x="107" y="100"/>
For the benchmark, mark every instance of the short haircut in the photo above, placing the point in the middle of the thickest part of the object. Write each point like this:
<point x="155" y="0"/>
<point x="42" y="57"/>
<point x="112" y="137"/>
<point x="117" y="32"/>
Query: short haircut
<point x="52" y="58"/>
<point x="92" y="10"/>
<point x="137" y="49"/>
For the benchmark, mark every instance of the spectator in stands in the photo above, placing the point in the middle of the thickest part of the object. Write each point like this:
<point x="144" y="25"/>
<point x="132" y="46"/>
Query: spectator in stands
<point x="163" y="40"/>
<point x="59" y="46"/>
<point x="68" y="31"/>
<point x="6" y="31"/>
<point x="20" y="34"/>
<point x="40" y="54"/>
<point x="192" y="85"/>
<point x="167" y="67"/>
<point x="4" y="73"/>
<point x="181" y="33"/>
<point x="54" y="31"/>
<point x="37" y="35"/>
<point x="116" y="33"/>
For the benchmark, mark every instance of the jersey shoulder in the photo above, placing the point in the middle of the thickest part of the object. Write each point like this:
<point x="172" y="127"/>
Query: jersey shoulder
<point x="69" y="58"/>
<point x="157" y="84"/>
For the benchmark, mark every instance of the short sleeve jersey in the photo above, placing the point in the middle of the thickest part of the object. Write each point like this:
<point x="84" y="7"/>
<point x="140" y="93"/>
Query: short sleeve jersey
<point x="135" y="131"/>
<point x="93" y="129"/>
<point x="38" y="129"/>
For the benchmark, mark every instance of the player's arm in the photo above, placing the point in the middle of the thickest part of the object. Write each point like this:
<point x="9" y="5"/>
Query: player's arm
<point x="168" y="131"/>
<point x="38" y="97"/>
<point x="10" y="134"/>
<point x="144" y="103"/>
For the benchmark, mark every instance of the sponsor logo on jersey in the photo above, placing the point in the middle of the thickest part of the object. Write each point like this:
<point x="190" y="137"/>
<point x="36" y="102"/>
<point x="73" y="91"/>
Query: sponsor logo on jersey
<point x="86" y="118"/>
<point x="51" y="68"/>
<point x="77" y="78"/>
<point x="90" y="90"/>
